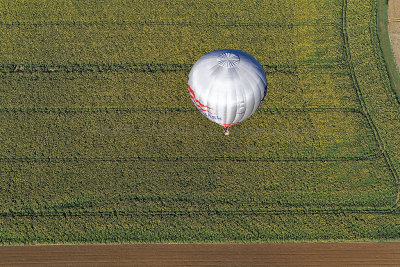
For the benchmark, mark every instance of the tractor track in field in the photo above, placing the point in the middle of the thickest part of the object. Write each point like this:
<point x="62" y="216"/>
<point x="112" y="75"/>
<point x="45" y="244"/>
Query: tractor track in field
<point x="148" y="67"/>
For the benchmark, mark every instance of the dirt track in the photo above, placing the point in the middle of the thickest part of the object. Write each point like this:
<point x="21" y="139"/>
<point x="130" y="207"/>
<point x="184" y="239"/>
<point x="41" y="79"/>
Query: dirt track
<point x="286" y="254"/>
<point x="394" y="28"/>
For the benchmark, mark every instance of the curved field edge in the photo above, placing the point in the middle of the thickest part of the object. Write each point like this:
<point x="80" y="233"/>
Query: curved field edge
<point x="371" y="79"/>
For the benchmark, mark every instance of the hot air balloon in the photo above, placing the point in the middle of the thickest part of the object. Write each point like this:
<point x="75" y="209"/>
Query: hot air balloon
<point x="227" y="86"/>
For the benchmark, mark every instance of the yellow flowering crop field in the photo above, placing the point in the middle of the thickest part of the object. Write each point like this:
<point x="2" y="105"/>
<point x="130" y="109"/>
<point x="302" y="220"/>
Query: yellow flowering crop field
<point x="100" y="142"/>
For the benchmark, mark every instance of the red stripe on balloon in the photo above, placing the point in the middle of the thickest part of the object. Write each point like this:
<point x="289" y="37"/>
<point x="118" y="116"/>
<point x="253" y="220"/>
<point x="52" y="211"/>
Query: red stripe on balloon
<point x="196" y="101"/>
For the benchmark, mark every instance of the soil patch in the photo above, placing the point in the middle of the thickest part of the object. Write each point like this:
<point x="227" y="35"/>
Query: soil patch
<point x="277" y="254"/>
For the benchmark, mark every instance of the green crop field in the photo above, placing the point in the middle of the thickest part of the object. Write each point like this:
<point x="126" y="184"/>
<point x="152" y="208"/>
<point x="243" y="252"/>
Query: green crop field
<point x="100" y="142"/>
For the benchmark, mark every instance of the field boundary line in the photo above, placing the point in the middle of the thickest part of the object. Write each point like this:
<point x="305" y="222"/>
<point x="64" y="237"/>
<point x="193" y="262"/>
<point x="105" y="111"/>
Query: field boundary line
<point x="372" y="126"/>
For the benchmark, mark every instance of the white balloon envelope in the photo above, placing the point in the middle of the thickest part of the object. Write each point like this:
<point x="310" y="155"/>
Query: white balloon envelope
<point x="227" y="86"/>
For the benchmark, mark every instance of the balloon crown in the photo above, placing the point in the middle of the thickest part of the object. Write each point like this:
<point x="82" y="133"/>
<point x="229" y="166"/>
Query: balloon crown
<point x="228" y="59"/>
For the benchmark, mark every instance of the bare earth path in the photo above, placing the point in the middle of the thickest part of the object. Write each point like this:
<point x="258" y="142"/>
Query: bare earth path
<point x="394" y="28"/>
<point x="284" y="254"/>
